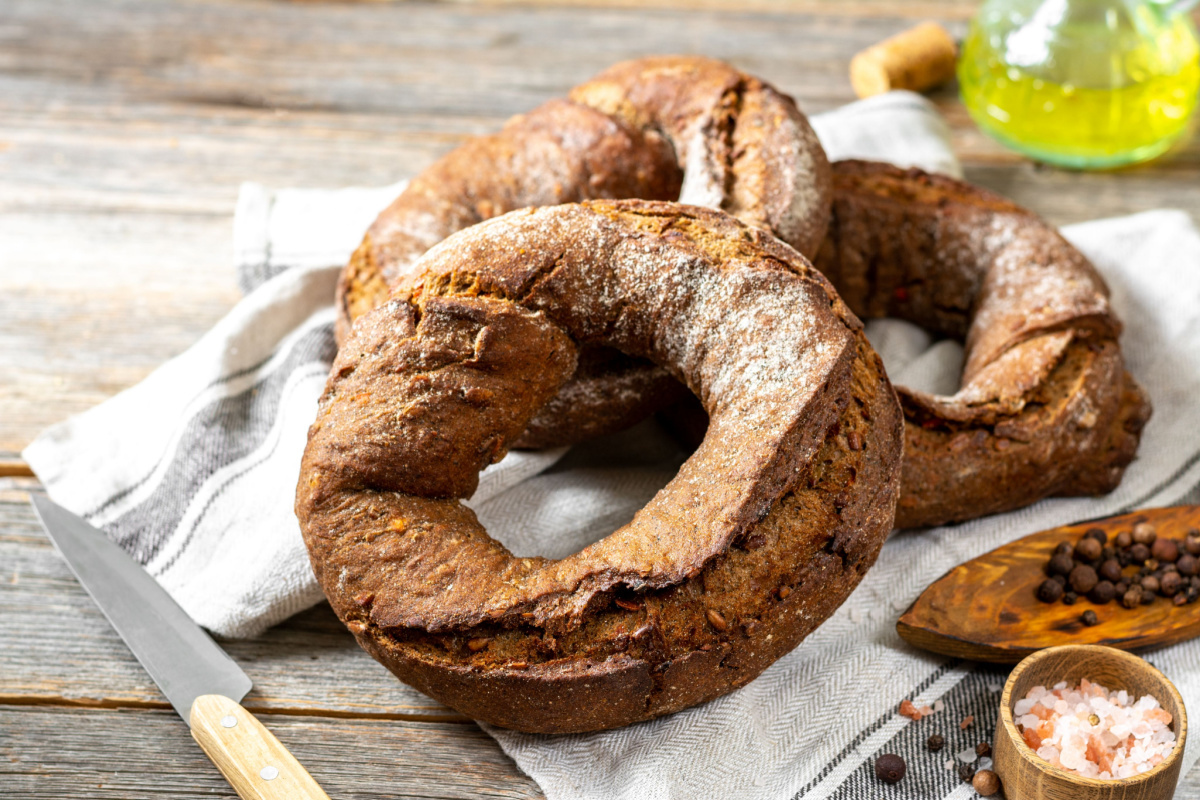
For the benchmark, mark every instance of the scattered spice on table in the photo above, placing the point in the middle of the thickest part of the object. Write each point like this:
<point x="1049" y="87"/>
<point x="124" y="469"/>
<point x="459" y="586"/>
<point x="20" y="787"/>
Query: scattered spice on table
<point x="986" y="783"/>
<point x="890" y="768"/>
<point x="1135" y="568"/>
<point x="935" y="742"/>
<point x="1093" y="731"/>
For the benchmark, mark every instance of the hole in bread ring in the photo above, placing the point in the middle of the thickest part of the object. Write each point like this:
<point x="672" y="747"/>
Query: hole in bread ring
<point x="1045" y="406"/>
<point x="662" y="128"/>
<point x="762" y="534"/>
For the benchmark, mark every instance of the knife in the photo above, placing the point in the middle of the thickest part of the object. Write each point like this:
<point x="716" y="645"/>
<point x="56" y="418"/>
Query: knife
<point x="202" y="682"/>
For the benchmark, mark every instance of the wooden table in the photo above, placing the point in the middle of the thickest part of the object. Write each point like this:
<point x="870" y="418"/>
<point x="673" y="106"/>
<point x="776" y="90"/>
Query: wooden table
<point x="125" y="129"/>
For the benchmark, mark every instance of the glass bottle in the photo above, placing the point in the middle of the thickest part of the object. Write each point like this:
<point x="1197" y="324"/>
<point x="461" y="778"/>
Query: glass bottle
<point x="1086" y="84"/>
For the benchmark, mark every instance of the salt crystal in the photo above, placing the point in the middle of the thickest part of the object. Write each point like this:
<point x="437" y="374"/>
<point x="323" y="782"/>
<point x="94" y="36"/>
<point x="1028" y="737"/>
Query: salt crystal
<point x="1095" y="732"/>
<point x="938" y="705"/>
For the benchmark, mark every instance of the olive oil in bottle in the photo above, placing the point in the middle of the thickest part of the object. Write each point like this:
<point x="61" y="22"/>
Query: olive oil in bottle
<point x="1082" y="83"/>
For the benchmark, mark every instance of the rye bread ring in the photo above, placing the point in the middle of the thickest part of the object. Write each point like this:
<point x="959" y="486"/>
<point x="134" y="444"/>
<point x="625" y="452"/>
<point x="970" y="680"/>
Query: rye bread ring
<point x="664" y="128"/>
<point x="1045" y="406"/>
<point x="764" y="532"/>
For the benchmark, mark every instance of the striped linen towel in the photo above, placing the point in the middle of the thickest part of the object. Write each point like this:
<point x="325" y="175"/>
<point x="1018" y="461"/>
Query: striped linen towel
<point x="193" y="471"/>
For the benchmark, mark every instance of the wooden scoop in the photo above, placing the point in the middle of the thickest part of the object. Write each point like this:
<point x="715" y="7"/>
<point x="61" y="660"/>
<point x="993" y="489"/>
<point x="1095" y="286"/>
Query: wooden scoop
<point x="987" y="609"/>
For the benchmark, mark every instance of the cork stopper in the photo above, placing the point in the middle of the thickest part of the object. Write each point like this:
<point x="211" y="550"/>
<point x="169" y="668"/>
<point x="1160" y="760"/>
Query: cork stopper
<point x="919" y="58"/>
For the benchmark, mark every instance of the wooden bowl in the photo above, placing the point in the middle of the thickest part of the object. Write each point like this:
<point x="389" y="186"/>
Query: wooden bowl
<point x="1026" y="776"/>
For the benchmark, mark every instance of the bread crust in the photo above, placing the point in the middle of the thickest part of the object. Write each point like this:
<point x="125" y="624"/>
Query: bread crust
<point x="662" y="128"/>
<point x="1045" y="406"/>
<point x="764" y="532"/>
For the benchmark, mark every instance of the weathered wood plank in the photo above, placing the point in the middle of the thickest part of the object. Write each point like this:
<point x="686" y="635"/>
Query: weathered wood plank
<point x="57" y="647"/>
<point x="54" y="753"/>
<point x="128" y="124"/>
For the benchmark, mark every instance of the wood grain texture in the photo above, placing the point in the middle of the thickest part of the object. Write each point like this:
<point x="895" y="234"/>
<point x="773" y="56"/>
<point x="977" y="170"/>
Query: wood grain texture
<point x="125" y="129"/>
<point x="1007" y="622"/>
<point x="128" y="125"/>
<point x="256" y="765"/>
<point x="1026" y="776"/>
<point x="51" y="753"/>
<point x="58" y="648"/>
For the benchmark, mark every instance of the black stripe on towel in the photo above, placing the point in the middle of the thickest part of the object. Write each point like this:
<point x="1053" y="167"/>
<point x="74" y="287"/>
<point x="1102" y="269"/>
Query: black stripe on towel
<point x="219" y="434"/>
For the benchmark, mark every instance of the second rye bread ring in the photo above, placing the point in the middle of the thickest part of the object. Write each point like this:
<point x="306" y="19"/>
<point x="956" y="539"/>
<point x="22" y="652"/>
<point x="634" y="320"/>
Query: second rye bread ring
<point x="663" y="128"/>
<point x="763" y="533"/>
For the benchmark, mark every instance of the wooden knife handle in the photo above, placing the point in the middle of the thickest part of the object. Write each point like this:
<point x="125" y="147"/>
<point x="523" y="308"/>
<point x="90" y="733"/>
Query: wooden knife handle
<point x="256" y="765"/>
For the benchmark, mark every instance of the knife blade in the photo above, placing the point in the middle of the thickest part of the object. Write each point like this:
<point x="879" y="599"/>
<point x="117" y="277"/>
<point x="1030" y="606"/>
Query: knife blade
<point x="200" y="680"/>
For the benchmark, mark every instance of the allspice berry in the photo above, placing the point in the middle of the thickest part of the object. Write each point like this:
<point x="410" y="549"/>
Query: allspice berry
<point x="1170" y="584"/>
<point x="1050" y="591"/>
<point x="890" y="768"/>
<point x="1123" y="540"/>
<point x="1133" y="597"/>
<point x="1062" y="564"/>
<point x="986" y="783"/>
<point x="1192" y="543"/>
<point x="1188" y="565"/>
<point x="1139" y="553"/>
<point x="1088" y="549"/>
<point x="1150" y="583"/>
<point x="1165" y="551"/>
<point x="984" y="749"/>
<point x="1089" y="618"/>
<point x="1082" y="578"/>
<point x="1144" y="533"/>
<point x="1103" y="592"/>
<point x="1098" y="534"/>
<point x="1110" y="570"/>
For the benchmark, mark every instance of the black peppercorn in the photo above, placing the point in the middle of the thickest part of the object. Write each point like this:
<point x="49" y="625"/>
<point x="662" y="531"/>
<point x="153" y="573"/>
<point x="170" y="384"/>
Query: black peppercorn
<point x="1083" y="578"/>
<point x="1180" y="599"/>
<point x="1069" y="598"/>
<point x="1110" y="570"/>
<point x="966" y="772"/>
<point x="1103" y="592"/>
<point x="1087" y="550"/>
<point x="1064" y="547"/>
<point x="1133" y="597"/>
<point x="1108" y="552"/>
<point x="1089" y="618"/>
<point x="935" y="742"/>
<point x="1098" y="534"/>
<point x="1050" y="591"/>
<point x="890" y="768"/>
<point x="1122" y="587"/>
<point x="1061" y="580"/>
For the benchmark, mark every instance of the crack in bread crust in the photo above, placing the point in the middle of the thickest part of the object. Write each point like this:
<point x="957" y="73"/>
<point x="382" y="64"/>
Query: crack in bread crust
<point x="762" y="534"/>
<point x="662" y="128"/>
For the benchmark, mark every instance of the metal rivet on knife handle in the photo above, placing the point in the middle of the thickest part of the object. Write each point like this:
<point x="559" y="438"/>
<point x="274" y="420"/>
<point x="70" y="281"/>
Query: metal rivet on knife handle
<point x="248" y="755"/>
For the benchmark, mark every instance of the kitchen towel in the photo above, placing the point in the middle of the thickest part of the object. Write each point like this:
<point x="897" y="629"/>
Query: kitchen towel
<point x="193" y="471"/>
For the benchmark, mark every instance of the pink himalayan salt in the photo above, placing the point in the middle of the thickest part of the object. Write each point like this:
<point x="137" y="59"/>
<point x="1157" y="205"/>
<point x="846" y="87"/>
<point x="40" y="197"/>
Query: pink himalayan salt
<point x="1095" y="732"/>
<point x="908" y="709"/>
